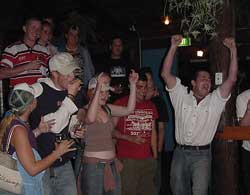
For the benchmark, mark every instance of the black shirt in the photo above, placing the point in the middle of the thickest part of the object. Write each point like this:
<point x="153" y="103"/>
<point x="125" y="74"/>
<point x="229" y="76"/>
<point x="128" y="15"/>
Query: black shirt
<point x="161" y="108"/>
<point x="119" y="70"/>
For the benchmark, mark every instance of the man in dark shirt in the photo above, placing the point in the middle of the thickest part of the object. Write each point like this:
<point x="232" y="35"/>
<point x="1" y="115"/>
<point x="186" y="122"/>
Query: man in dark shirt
<point x="153" y="95"/>
<point x="118" y="67"/>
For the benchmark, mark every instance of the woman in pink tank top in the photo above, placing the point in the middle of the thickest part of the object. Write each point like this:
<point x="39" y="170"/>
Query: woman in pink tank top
<point x="100" y="174"/>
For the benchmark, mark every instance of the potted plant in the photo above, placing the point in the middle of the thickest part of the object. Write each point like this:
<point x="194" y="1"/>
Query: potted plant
<point x="197" y="17"/>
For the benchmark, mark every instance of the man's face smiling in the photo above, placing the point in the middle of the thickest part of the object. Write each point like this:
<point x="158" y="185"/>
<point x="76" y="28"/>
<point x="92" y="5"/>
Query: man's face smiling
<point x="32" y="30"/>
<point x="202" y="85"/>
<point x="141" y="88"/>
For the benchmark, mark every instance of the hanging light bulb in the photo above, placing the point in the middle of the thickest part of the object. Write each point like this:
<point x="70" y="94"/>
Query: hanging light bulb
<point x="166" y="20"/>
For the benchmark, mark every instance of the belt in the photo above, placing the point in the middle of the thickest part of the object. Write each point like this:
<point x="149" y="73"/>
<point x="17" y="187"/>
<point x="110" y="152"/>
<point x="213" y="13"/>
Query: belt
<point x="187" y="147"/>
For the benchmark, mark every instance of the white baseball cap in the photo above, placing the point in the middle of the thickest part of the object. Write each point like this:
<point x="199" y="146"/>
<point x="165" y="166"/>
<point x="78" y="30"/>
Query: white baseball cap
<point x="21" y="96"/>
<point x="105" y="87"/>
<point x="28" y="88"/>
<point x="64" y="63"/>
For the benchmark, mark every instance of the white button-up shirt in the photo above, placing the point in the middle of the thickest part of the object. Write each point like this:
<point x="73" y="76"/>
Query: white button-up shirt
<point x="241" y="106"/>
<point x="195" y="124"/>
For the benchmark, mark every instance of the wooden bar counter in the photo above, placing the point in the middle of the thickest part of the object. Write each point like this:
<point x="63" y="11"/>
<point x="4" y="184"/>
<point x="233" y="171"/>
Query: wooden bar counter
<point x="234" y="133"/>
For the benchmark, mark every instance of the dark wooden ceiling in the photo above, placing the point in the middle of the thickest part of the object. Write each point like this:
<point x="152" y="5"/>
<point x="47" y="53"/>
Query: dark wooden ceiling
<point x="110" y="17"/>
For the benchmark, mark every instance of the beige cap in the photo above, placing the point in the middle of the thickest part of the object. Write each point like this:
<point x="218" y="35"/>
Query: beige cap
<point x="64" y="63"/>
<point x="93" y="82"/>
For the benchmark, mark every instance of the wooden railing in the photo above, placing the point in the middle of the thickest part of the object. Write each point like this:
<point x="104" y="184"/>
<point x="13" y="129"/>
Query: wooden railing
<point x="234" y="133"/>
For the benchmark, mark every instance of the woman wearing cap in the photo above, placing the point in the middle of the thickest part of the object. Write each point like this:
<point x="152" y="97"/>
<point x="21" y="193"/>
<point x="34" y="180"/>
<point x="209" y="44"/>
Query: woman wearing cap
<point x="101" y="168"/>
<point x="22" y="140"/>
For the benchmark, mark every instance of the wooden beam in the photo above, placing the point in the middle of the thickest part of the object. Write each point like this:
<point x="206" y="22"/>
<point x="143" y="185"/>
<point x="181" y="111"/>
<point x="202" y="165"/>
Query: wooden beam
<point x="234" y="133"/>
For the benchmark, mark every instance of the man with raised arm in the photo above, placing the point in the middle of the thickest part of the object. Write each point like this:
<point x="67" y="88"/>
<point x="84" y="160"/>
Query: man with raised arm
<point x="197" y="114"/>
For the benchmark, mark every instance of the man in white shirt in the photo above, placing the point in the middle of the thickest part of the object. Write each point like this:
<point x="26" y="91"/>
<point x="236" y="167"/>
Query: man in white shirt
<point x="197" y="115"/>
<point x="243" y="113"/>
<point x="57" y="101"/>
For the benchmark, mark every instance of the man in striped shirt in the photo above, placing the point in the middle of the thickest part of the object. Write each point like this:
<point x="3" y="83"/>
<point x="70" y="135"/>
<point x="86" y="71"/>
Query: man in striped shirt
<point x="25" y="61"/>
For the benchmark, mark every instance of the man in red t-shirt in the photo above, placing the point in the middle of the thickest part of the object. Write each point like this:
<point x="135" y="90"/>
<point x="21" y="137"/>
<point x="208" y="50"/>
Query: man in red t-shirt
<point x="137" y="143"/>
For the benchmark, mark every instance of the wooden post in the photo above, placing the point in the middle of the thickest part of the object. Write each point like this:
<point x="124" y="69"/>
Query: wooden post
<point x="225" y="152"/>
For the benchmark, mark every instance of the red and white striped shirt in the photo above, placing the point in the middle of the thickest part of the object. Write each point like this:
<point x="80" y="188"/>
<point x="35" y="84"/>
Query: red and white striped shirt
<point x="18" y="54"/>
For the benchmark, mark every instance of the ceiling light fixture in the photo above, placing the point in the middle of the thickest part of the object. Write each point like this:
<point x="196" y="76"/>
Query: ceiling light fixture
<point x="199" y="53"/>
<point x="166" y="18"/>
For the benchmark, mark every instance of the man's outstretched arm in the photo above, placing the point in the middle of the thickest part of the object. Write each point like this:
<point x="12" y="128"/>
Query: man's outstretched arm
<point x="170" y="80"/>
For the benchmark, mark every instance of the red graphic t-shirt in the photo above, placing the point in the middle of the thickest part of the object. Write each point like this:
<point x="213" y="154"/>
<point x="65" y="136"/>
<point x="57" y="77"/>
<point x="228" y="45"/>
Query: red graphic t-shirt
<point x="140" y="122"/>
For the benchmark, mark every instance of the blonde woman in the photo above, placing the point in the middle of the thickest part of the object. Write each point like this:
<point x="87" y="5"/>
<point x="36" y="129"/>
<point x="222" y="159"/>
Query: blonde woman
<point x="101" y="169"/>
<point x="23" y="143"/>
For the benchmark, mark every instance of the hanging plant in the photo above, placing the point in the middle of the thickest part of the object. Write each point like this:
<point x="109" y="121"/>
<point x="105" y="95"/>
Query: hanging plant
<point x="198" y="17"/>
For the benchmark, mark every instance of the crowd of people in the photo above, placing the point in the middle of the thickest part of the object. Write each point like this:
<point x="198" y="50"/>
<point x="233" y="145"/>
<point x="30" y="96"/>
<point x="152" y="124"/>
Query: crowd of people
<point x="79" y="130"/>
<point x="52" y="90"/>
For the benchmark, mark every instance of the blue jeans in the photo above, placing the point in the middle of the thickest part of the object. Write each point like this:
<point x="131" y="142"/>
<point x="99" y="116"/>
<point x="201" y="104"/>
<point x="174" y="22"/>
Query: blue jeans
<point x="92" y="179"/>
<point x="2" y="192"/>
<point x="190" y="172"/>
<point x="62" y="182"/>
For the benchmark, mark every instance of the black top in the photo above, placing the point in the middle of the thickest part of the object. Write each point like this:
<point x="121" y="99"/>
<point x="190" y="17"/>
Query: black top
<point x="161" y="108"/>
<point x="119" y="70"/>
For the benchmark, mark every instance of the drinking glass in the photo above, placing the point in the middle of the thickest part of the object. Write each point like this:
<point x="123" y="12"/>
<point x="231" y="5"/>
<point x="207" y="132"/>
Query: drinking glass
<point x="79" y="126"/>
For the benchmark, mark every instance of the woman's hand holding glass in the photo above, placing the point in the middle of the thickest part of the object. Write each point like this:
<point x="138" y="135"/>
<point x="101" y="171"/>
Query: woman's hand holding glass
<point x="78" y="130"/>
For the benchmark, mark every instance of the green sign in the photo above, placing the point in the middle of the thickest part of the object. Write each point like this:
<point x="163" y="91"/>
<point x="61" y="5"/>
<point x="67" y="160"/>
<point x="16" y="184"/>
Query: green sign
<point x="185" y="42"/>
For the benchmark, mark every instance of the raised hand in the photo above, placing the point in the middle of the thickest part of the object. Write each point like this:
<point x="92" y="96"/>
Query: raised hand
<point x="176" y="40"/>
<point x="133" y="77"/>
<point x="229" y="43"/>
<point x="102" y="80"/>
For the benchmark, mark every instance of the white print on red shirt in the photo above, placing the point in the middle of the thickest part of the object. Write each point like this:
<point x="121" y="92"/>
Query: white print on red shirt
<point x="139" y="123"/>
